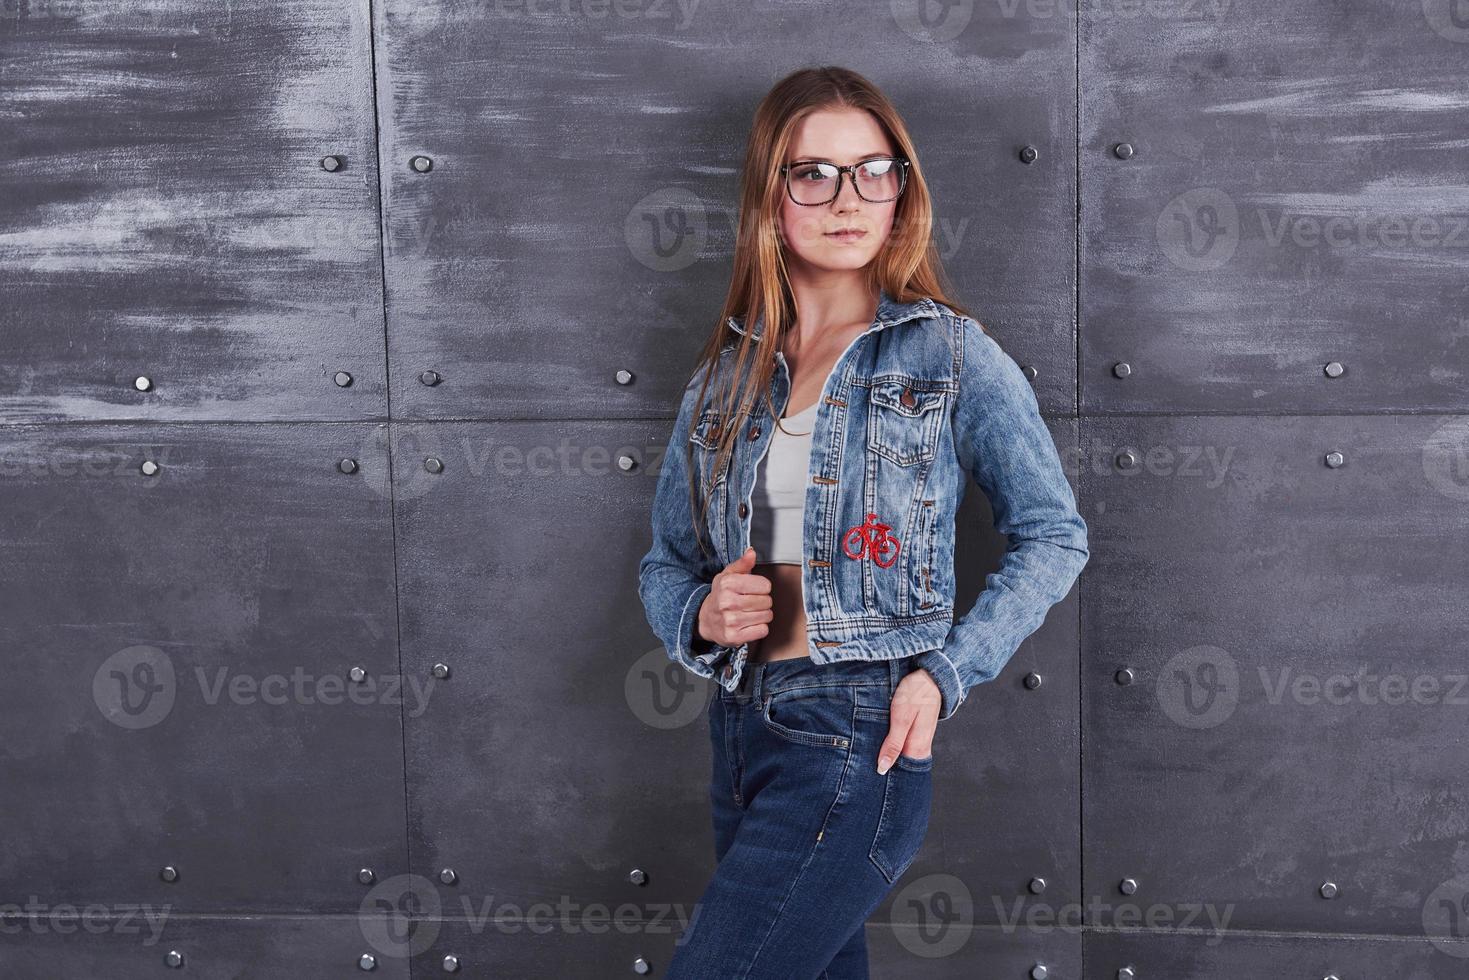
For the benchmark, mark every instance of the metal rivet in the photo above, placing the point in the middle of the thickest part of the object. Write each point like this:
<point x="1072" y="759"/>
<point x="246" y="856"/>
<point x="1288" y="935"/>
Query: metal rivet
<point x="1126" y="973"/>
<point x="332" y="162"/>
<point x="1123" y="676"/>
<point x="173" y="959"/>
<point x="1123" y="151"/>
<point x="451" y="964"/>
<point x="1028" y="154"/>
<point x="640" y="965"/>
<point x="366" y="876"/>
<point x="343" y="379"/>
<point x="422" y="164"/>
<point x="1334" y="369"/>
<point x="1126" y="460"/>
<point x="348" y="465"/>
<point x="638" y="876"/>
<point x="1328" y="889"/>
<point x="1039" y="972"/>
<point x="149" y="467"/>
<point x="441" y="671"/>
<point x="1335" y="459"/>
<point x="1121" y="369"/>
<point x="143" y="383"/>
<point x="744" y="509"/>
<point x="367" y="962"/>
<point x="626" y="463"/>
<point x="754" y="432"/>
<point x="1030" y="372"/>
<point x="429" y="378"/>
<point x="357" y="674"/>
<point x="1037" y="885"/>
<point x="433" y="464"/>
<point x="169" y="873"/>
<point x="1127" y="886"/>
<point x="448" y="876"/>
<point x="624" y="376"/>
<point x="1032" y="680"/>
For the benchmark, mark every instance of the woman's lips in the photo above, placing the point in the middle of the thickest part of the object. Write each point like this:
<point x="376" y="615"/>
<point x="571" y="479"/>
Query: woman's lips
<point x="854" y="235"/>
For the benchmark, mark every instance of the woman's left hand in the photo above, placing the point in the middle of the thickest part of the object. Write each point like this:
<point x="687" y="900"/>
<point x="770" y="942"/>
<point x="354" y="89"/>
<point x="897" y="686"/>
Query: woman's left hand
<point x="912" y="719"/>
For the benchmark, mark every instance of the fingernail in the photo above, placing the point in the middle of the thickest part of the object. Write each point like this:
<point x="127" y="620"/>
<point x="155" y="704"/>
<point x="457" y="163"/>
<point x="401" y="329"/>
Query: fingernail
<point x="884" y="763"/>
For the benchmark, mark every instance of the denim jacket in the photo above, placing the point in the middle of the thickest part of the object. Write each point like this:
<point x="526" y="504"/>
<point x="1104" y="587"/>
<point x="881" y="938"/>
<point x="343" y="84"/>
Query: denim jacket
<point x="921" y="399"/>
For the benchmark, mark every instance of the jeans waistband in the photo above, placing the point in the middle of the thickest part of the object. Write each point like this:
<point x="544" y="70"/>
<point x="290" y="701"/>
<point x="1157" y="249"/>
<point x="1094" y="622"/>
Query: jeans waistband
<point x="769" y="677"/>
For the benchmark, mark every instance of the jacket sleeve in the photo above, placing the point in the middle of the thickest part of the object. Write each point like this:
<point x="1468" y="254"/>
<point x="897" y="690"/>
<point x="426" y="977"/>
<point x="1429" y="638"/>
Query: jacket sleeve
<point x="1004" y="445"/>
<point x="675" y="576"/>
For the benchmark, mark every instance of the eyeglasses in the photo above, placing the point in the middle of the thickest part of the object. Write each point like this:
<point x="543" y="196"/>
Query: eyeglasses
<point x="814" y="182"/>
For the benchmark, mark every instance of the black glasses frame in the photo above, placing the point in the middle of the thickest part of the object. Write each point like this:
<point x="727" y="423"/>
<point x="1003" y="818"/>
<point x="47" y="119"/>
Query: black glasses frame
<point x="851" y="171"/>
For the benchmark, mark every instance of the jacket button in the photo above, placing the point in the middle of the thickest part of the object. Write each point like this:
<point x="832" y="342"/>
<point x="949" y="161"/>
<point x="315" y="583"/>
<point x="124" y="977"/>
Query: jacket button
<point x="728" y="671"/>
<point x="744" y="510"/>
<point x="754" y="432"/>
<point x="907" y="398"/>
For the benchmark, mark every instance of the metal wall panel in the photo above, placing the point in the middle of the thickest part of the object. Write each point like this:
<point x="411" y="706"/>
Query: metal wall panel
<point x="164" y="211"/>
<point x="934" y="942"/>
<point x="1295" y="195"/>
<point x="137" y="945"/>
<point x="177" y="652"/>
<point x="1006" y="778"/>
<point x="577" y="212"/>
<point x="1298" y="689"/>
<point x="563" y="751"/>
<point x="1231" y="957"/>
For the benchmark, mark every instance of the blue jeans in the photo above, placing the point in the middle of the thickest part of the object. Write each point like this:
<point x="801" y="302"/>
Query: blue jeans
<point x="808" y="836"/>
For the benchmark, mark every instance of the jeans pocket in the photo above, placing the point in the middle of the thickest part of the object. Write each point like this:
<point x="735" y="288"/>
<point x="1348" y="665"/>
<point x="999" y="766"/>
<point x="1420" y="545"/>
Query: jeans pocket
<point x="906" y="799"/>
<point x="811" y="715"/>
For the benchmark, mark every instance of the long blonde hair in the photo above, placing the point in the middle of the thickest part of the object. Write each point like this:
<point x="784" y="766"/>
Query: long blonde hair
<point x="908" y="267"/>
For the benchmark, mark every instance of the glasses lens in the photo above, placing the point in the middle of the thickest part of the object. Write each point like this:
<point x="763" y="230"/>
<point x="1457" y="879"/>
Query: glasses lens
<point x="816" y="183"/>
<point x="813" y="183"/>
<point x="880" y="180"/>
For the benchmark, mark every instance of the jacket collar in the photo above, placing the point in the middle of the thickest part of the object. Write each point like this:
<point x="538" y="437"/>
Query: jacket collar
<point x="889" y="313"/>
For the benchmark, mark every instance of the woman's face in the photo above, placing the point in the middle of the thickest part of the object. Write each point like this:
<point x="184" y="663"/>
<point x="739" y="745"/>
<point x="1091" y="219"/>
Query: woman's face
<point x="843" y="137"/>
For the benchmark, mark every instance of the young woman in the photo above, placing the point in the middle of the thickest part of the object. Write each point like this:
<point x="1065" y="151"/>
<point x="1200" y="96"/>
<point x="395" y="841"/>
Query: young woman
<point x="803" y="532"/>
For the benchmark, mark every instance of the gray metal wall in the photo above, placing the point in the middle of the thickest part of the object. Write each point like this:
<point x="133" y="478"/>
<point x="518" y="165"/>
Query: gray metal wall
<point x="324" y="484"/>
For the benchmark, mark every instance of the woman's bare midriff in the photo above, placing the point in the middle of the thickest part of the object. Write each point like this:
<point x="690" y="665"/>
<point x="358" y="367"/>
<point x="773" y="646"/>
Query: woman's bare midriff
<point x="787" y="637"/>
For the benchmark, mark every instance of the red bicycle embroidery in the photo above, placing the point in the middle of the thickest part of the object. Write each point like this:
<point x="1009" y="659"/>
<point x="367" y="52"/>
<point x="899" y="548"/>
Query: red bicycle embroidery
<point x="871" y="539"/>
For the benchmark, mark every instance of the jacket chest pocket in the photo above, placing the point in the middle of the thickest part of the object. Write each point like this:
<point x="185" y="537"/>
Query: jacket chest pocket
<point x="705" y="437"/>
<point x="903" y="422"/>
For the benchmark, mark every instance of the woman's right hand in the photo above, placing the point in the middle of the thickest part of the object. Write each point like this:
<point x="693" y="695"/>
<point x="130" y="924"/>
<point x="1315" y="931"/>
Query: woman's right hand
<point x="738" y="604"/>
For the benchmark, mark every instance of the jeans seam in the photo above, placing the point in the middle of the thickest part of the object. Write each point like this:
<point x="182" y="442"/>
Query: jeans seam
<point x="810" y="855"/>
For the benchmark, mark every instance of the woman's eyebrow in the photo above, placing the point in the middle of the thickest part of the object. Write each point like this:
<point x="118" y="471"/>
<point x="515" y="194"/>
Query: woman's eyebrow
<point x="865" y="156"/>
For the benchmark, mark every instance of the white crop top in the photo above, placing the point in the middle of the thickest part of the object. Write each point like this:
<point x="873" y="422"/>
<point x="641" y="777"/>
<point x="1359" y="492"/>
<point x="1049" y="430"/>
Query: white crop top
<point x="778" y="501"/>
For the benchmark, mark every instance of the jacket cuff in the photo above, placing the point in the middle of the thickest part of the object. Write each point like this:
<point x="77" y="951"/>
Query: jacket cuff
<point x="697" y="654"/>
<point x="946" y="676"/>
